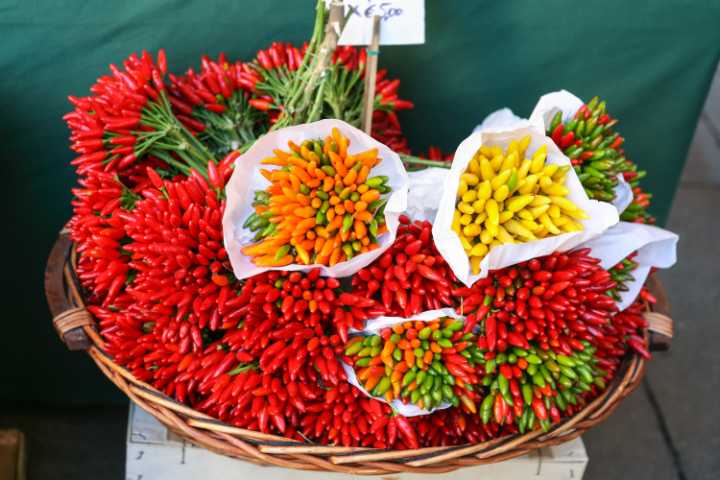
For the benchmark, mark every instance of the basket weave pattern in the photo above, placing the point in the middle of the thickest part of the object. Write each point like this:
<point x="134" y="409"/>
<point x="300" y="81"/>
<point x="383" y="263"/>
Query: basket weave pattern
<point x="76" y="327"/>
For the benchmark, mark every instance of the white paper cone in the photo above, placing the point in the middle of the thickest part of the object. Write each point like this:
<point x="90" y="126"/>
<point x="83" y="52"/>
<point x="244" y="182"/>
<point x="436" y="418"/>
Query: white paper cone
<point x="373" y="327"/>
<point x="656" y="248"/>
<point x="602" y="215"/>
<point x="246" y="179"/>
<point x="551" y="103"/>
<point x="500" y="119"/>
<point x="425" y="192"/>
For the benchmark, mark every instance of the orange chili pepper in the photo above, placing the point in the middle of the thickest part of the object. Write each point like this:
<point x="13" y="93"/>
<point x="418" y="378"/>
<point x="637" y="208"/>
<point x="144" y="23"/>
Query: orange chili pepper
<point x="409" y="357"/>
<point x="372" y="382"/>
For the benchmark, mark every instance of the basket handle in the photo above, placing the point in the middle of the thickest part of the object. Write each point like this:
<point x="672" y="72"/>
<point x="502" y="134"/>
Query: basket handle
<point x="69" y="320"/>
<point x="661" y="330"/>
<point x="660" y="324"/>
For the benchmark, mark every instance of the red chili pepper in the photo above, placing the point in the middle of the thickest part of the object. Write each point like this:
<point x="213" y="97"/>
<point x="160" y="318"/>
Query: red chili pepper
<point x="538" y="407"/>
<point x="262" y="105"/>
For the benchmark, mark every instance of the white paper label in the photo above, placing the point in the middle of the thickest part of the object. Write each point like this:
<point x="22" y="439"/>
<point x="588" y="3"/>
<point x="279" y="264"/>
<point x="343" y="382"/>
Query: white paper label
<point x="402" y="22"/>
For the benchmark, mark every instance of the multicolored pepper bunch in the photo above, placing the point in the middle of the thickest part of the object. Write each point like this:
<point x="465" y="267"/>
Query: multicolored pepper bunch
<point x="423" y="363"/>
<point x="321" y="207"/>
<point x="595" y="149"/>
<point x="528" y="387"/>
<point x="504" y="197"/>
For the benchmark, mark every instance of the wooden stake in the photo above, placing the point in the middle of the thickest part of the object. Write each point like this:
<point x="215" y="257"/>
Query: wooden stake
<point x="373" y="52"/>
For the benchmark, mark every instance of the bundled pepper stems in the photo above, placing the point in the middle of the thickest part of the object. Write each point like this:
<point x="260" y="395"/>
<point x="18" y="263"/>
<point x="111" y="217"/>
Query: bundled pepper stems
<point x="504" y="198"/>
<point x="168" y="136"/>
<point x="322" y="206"/>
<point x="423" y="363"/>
<point x="305" y="95"/>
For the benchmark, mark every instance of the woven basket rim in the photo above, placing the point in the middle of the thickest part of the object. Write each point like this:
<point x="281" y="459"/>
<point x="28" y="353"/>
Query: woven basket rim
<point x="266" y="449"/>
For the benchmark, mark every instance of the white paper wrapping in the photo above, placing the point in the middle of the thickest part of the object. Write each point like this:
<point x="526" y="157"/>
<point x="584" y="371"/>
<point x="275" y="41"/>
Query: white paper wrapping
<point x="499" y="119"/>
<point x="551" y="103"/>
<point x="602" y="215"/>
<point x="623" y="194"/>
<point x="373" y="327"/>
<point x="246" y="179"/>
<point x="656" y="248"/>
<point x="567" y="103"/>
<point x="425" y="192"/>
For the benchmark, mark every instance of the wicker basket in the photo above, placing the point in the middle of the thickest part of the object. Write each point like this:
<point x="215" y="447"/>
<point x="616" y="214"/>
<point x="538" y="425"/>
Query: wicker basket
<point x="76" y="327"/>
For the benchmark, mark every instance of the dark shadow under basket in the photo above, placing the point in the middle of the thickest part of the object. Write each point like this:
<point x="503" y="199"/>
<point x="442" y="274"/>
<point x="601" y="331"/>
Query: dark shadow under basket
<point x="76" y="327"/>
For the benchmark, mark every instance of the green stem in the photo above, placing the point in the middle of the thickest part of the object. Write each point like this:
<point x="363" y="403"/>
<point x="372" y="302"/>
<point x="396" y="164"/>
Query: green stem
<point x="167" y="158"/>
<point x="317" y="105"/>
<point x="204" y="155"/>
<point x="421" y="161"/>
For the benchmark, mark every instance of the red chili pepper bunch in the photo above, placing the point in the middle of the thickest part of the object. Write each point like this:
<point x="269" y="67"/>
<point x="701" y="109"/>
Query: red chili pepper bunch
<point x="386" y="126"/>
<point x="177" y="253"/>
<point x="247" y="397"/>
<point x="555" y="301"/>
<point x="630" y="323"/>
<point x="104" y="126"/>
<point x="454" y="426"/>
<point x="343" y="415"/>
<point x="289" y="333"/>
<point x="298" y="322"/>
<point x="97" y="232"/>
<point x="129" y="124"/>
<point x="625" y="331"/>
<point x="273" y="69"/>
<point x="213" y="104"/>
<point x="411" y="276"/>
<point x="434" y="153"/>
<point x="133" y="342"/>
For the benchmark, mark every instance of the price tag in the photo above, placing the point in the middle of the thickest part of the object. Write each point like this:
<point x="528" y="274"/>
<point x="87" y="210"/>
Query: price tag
<point x="402" y="22"/>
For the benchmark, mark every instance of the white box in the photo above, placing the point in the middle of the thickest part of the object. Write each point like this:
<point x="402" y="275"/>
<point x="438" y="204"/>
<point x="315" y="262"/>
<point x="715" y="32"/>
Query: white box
<point x="153" y="453"/>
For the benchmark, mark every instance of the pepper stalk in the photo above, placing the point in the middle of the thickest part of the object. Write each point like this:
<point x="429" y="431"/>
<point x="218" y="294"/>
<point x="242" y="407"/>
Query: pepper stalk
<point x="306" y="93"/>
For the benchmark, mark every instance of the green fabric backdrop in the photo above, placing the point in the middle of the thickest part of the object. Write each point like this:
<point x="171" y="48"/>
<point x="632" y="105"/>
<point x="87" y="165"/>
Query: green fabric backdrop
<point x="652" y="62"/>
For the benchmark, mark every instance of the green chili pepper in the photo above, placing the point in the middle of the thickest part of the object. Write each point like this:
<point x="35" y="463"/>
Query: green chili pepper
<point x="409" y="377"/>
<point x="382" y="387"/>
<point x="250" y="219"/>
<point x="557" y="118"/>
<point x="527" y="393"/>
<point x="347" y="222"/>
<point x="486" y="408"/>
<point x="425" y="333"/>
<point x="373" y="228"/>
<point x="377" y="181"/>
<point x="363" y="362"/>
<point x="353" y="349"/>
<point x="503" y="384"/>
<point x="513" y="180"/>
